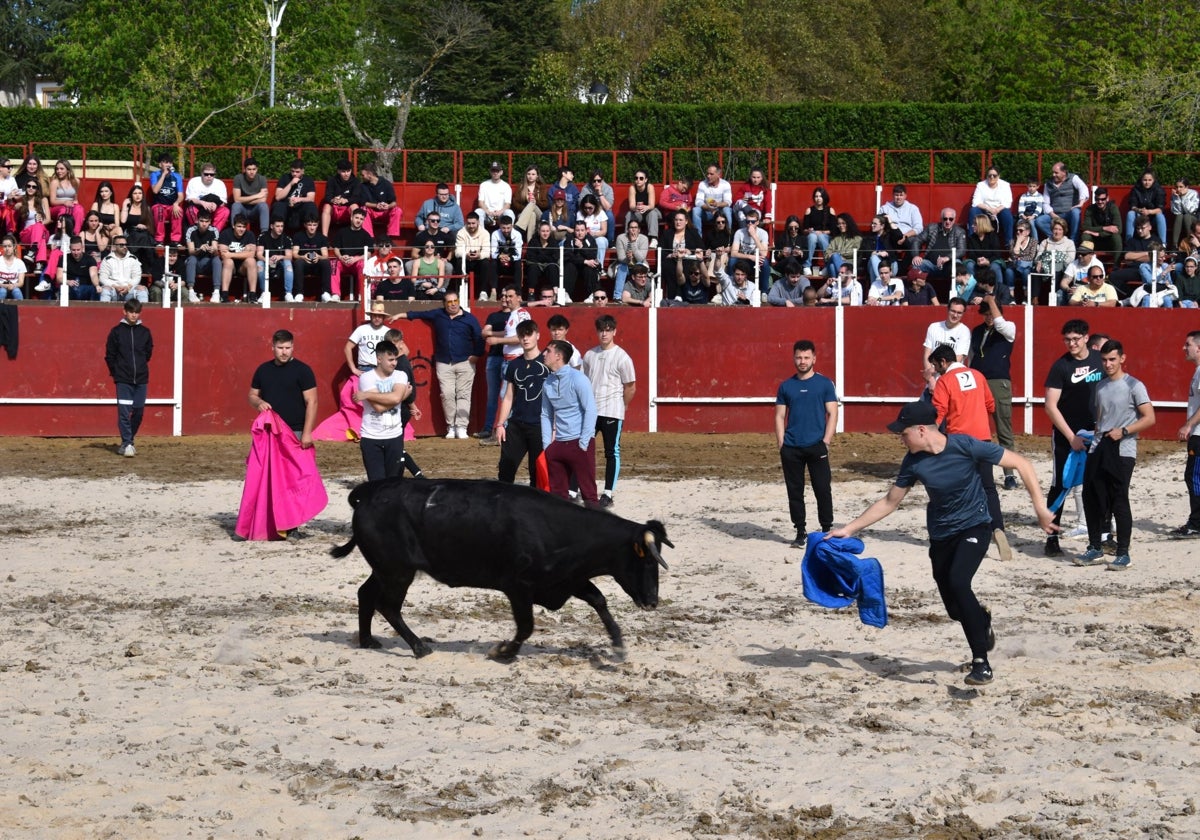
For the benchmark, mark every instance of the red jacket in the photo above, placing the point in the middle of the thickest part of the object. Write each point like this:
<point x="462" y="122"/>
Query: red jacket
<point x="964" y="401"/>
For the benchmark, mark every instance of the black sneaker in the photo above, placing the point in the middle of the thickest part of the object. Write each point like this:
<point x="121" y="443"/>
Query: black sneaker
<point x="981" y="673"/>
<point x="991" y="637"/>
<point x="606" y="501"/>
<point x="1052" y="548"/>
<point x="1109" y="547"/>
<point x="801" y="540"/>
<point x="1184" y="530"/>
<point x="1010" y="482"/>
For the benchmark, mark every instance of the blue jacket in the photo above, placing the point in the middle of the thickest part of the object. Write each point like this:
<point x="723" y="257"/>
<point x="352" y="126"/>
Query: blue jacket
<point x="835" y="577"/>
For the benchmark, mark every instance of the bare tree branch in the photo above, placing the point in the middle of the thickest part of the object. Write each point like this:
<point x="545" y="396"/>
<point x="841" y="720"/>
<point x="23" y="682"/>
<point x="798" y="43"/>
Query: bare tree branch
<point x="216" y="111"/>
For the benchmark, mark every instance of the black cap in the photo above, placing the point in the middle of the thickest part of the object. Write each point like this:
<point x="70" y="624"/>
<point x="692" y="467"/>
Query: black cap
<point x="918" y="413"/>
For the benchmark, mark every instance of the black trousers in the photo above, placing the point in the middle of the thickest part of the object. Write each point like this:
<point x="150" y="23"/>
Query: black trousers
<point x="1191" y="474"/>
<point x="1060" y="448"/>
<point x="1106" y="494"/>
<point x="954" y="562"/>
<point x="521" y="440"/>
<point x="609" y="430"/>
<point x="815" y="458"/>
<point x="382" y="458"/>
<point x="988" y="478"/>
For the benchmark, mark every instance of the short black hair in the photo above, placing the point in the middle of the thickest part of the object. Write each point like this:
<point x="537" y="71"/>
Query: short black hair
<point x="282" y="337"/>
<point x="386" y="347"/>
<point x="804" y="344"/>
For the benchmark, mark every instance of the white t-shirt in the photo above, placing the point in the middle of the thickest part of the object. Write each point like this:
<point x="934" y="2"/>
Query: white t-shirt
<point x="366" y="337"/>
<point x="12" y="271"/>
<point x="609" y="371"/>
<point x="878" y="290"/>
<point x="959" y="338"/>
<point x="512" y="351"/>
<point x="381" y="425"/>
<point x="494" y="195"/>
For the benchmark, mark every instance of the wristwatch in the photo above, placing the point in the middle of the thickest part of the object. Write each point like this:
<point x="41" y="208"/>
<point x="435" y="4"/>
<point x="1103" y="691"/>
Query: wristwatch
<point x="1124" y="432"/>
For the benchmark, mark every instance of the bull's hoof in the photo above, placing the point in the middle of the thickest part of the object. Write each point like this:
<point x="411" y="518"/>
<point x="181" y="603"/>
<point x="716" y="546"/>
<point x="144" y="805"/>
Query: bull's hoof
<point x="618" y="653"/>
<point x="421" y="650"/>
<point x="369" y="643"/>
<point x="504" y="652"/>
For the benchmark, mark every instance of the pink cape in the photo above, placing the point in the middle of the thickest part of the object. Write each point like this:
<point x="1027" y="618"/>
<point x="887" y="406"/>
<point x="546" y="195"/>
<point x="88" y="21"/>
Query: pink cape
<point x="283" y="487"/>
<point x="345" y="423"/>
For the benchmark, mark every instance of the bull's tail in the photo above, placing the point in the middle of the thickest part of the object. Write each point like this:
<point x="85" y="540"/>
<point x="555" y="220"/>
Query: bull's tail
<point x="340" y="551"/>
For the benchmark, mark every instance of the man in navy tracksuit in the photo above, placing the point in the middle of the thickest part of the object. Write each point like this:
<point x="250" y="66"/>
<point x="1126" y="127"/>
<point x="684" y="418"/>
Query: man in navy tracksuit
<point x="127" y="354"/>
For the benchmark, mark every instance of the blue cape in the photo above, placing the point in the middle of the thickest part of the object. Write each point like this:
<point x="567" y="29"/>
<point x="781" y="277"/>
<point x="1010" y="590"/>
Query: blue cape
<point x="834" y="576"/>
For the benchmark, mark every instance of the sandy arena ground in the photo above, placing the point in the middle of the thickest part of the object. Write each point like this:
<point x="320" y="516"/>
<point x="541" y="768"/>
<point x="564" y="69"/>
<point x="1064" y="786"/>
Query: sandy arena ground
<point x="161" y="680"/>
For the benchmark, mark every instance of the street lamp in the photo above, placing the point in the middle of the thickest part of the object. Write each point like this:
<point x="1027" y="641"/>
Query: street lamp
<point x="597" y="93"/>
<point x="274" y="18"/>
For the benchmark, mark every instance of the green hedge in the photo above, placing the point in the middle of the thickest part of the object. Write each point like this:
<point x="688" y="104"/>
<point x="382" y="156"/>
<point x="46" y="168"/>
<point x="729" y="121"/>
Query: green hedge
<point x="553" y="128"/>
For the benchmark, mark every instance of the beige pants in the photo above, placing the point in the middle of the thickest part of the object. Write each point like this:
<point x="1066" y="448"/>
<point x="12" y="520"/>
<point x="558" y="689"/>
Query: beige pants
<point x="455" y="382"/>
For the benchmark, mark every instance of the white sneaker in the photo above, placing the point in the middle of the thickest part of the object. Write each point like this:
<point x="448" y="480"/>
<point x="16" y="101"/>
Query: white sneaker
<point x="653" y="244"/>
<point x="450" y="433"/>
<point x="287" y="296"/>
<point x="129" y="451"/>
<point x="461" y="433"/>
<point x="297" y="298"/>
<point x="265" y="297"/>
<point x="44" y="286"/>
<point x="216" y="296"/>
<point x="193" y="297"/>
<point x="483" y="295"/>
<point x="326" y="297"/>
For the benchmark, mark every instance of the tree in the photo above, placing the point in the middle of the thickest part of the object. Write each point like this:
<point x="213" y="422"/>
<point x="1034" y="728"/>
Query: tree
<point x="27" y="28"/>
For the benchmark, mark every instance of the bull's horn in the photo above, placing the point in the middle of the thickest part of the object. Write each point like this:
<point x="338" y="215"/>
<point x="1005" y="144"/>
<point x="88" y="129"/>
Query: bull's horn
<point x="652" y="547"/>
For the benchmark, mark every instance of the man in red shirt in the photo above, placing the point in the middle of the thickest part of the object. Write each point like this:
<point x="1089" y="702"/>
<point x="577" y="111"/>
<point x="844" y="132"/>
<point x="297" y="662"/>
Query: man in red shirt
<point x="964" y="402"/>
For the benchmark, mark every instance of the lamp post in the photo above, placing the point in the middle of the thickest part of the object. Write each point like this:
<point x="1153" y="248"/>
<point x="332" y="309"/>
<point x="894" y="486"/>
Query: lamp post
<point x="597" y="93"/>
<point x="274" y="18"/>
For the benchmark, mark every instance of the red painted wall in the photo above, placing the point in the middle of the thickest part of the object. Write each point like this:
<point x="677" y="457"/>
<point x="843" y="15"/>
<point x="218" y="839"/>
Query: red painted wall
<point x="703" y="352"/>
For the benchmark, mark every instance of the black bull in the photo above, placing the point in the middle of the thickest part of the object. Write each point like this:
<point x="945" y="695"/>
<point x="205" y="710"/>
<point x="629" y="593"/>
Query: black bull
<point x="533" y="547"/>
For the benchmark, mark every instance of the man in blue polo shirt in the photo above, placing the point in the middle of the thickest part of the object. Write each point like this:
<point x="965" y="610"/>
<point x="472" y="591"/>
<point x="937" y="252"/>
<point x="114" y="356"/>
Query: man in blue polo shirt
<point x="960" y="527"/>
<point x="806" y="412"/>
<point x="457" y="346"/>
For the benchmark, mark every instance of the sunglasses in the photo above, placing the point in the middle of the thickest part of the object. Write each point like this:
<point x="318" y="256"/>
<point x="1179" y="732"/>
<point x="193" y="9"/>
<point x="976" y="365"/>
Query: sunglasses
<point x="947" y="218"/>
<point x="599" y="297"/>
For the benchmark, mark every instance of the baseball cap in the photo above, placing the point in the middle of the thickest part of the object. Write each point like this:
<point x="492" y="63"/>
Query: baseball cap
<point x="496" y="166"/>
<point x="914" y="414"/>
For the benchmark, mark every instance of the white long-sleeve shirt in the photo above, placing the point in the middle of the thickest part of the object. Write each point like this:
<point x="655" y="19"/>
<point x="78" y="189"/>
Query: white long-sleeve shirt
<point x="120" y="271"/>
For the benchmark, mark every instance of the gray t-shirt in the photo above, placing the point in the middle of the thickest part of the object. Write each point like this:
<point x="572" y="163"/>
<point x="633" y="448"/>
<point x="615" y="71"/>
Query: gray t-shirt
<point x="1194" y="396"/>
<point x="951" y="477"/>
<point x="1116" y="402"/>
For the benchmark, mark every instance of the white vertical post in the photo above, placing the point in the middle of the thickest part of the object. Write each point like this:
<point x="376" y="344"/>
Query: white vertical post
<point x="177" y="376"/>
<point x="652" y="365"/>
<point x="1027" y="387"/>
<point x="839" y="360"/>
<point x="166" y="291"/>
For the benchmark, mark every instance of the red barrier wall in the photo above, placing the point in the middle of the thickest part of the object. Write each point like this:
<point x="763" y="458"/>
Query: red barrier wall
<point x="704" y="352"/>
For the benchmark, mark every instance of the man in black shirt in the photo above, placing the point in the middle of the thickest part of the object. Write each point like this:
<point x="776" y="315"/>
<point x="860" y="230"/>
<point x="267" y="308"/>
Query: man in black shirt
<point x="350" y="248"/>
<point x="343" y="195"/>
<point x="274" y="258"/>
<point x="310" y="255"/>
<point x="295" y="197"/>
<point x="237" y="248"/>
<point x="379" y="200"/>
<point x="442" y="238"/>
<point x="288" y="387"/>
<point x="203" y="255"/>
<point x="79" y="272"/>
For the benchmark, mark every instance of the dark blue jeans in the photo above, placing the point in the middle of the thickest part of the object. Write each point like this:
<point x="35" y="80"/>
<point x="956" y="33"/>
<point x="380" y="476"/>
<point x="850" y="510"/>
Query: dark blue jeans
<point x="131" y="403"/>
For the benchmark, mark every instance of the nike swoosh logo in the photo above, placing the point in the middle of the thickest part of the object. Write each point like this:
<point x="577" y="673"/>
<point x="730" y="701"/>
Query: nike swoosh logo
<point x="972" y="540"/>
<point x="1078" y="377"/>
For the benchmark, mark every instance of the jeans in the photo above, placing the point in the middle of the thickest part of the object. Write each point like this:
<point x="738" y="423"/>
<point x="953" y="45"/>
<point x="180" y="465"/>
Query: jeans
<point x="213" y="264"/>
<point x="108" y="293"/>
<point x="15" y="293"/>
<point x="131" y="404"/>
<point x="284" y="266"/>
<point x="1016" y="274"/>
<point x="700" y="216"/>
<point x="601" y="247"/>
<point x="996" y="269"/>
<point x="1159" y="220"/>
<point x="619" y="282"/>
<point x="873" y="267"/>
<point x="84" y="291"/>
<point x="815" y="241"/>
<point x="1042" y="223"/>
<point x="494" y="370"/>
<point x="257" y="214"/>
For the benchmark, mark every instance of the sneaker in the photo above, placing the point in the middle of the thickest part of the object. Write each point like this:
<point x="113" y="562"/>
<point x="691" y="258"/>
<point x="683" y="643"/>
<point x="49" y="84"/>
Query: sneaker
<point x="44" y="286"/>
<point x="1118" y="564"/>
<point x="265" y="297"/>
<point x="606" y="501"/>
<point x="991" y="637"/>
<point x="129" y="452"/>
<point x="483" y="295"/>
<point x="1092" y="557"/>
<point x="801" y="539"/>
<point x="224" y="297"/>
<point x="482" y="434"/>
<point x="1109" y="547"/>
<point x="1052" y="548"/>
<point x="451" y="433"/>
<point x="287" y="297"/>
<point x="193" y="297"/>
<point x="1010" y="482"/>
<point x="981" y="673"/>
<point x="1184" y="530"/>
<point x="1001" y="541"/>
<point x="297" y="298"/>
<point x="326" y="297"/>
<point x="461" y="433"/>
<point x="653" y="244"/>
<point x="1077" y="531"/>
<point x="216" y="296"/>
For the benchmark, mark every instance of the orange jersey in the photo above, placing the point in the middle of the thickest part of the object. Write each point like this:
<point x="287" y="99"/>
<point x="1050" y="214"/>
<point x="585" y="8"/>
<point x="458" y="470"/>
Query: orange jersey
<point x="964" y="401"/>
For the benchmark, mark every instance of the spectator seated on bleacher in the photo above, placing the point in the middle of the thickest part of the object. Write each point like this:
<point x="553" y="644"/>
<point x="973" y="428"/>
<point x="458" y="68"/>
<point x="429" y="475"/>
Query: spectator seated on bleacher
<point x="12" y="270"/>
<point x="435" y="232"/>
<point x="506" y="248"/>
<point x="379" y="199"/>
<point x="985" y="250"/>
<point x="675" y="197"/>
<point x="944" y="242"/>
<point x="57" y="245"/>
<point x="343" y="194"/>
<point x="396" y="286"/>
<point x="1102" y="225"/>
<point x="581" y="268"/>
<point x="95" y="240"/>
<point x="735" y="287"/>
<point x="203" y="256"/>
<point x="845" y="290"/>
<point x="566" y="183"/>
<point x="79" y="273"/>
<point x="273" y="260"/>
<point x="1185" y="204"/>
<point x="820" y="222"/>
<point x="632" y="248"/>
<point x="602" y="192"/>
<point x="251" y="195"/>
<point x="844" y="245"/>
<point x="166" y="200"/>
<point x="1054" y="254"/>
<point x="10" y="191"/>
<point x="1063" y="197"/>
<point x="494" y="200"/>
<point x="1149" y="199"/>
<point x="429" y="273"/>
<point x="135" y="212"/>
<point x="31" y="212"/>
<point x="1140" y="250"/>
<point x="918" y="292"/>
<point x="295" y="198"/>
<point x="884" y="242"/>
<point x="530" y="199"/>
<point x="559" y="216"/>
<point x="541" y="261"/>
<point x="986" y="285"/>
<point x="1187" y="282"/>
<point x="788" y="290"/>
<point x="64" y="194"/>
<point x="1031" y="204"/>
<point x="718" y="241"/>
<point x="472" y="255"/>
<point x="713" y="196"/>
<point x="637" y="291"/>
<point x="310" y="256"/>
<point x="680" y="242"/>
<point x="1020" y="260"/>
<point x="692" y="284"/>
<point x="1076" y="272"/>
<point x="238" y="249"/>
<point x="790" y="242"/>
<point x="350" y="247"/>
<point x="753" y="245"/>
<point x="105" y="205"/>
<point x="1157" y="289"/>
<point x="165" y="277"/>
<point x="375" y="267"/>
<point x="993" y="198"/>
<point x="963" y="284"/>
<point x="887" y="290"/>
<point x="121" y="274"/>
<point x="593" y="215"/>
<point x="444" y="205"/>
<point x="643" y="206"/>
<point x="754" y="194"/>
<point x="207" y="192"/>
<point x="1096" y="292"/>
<point x="905" y="217"/>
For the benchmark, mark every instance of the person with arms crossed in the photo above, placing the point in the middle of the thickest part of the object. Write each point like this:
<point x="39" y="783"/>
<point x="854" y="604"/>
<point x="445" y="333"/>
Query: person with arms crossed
<point x="381" y="391"/>
<point x="1123" y="409"/>
<point x="519" y="419"/>
<point x="610" y="370"/>
<point x="806" y="414"/>
<point x="956" y="517"/>
<point x="127" y="353"/>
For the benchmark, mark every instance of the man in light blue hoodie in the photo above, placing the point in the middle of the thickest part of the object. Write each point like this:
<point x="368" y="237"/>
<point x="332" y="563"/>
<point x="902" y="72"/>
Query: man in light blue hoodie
<point x="569" y="425"/>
